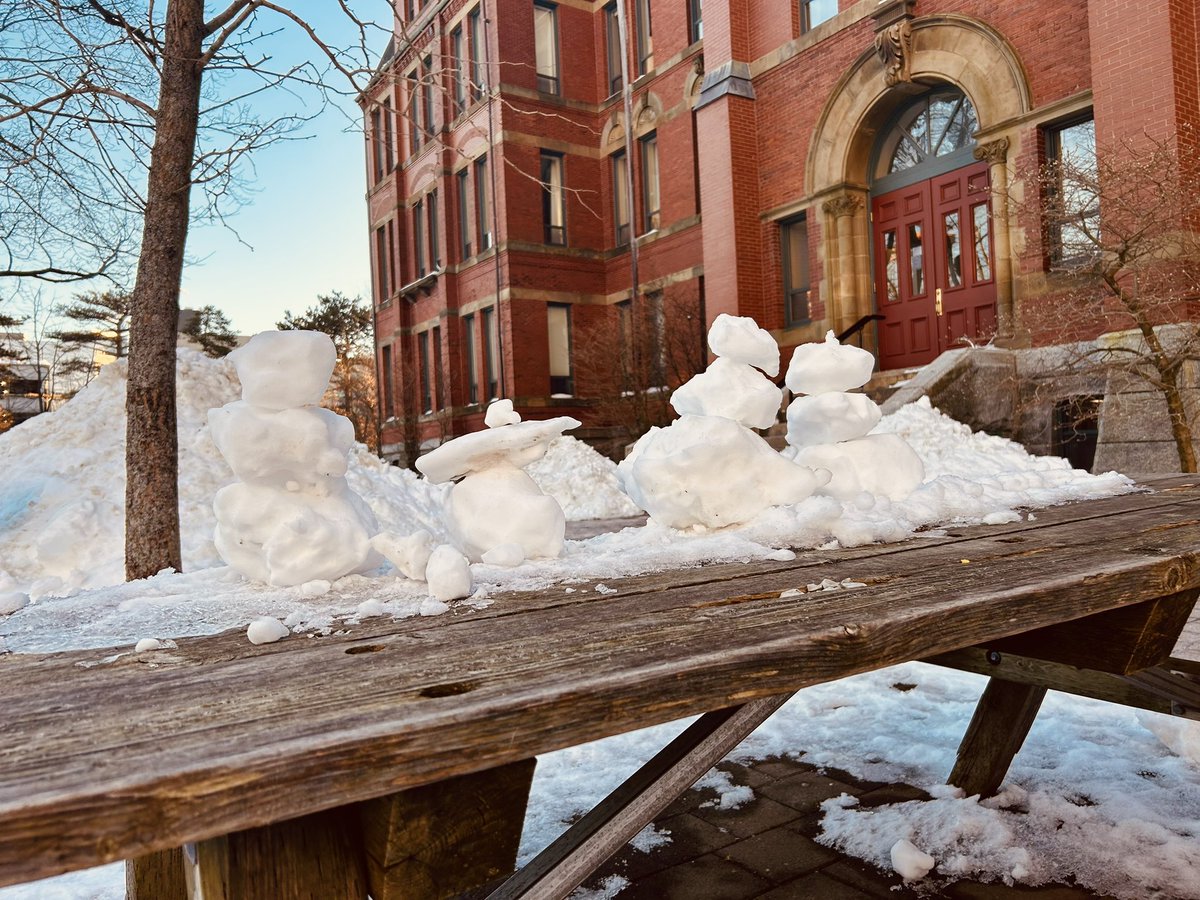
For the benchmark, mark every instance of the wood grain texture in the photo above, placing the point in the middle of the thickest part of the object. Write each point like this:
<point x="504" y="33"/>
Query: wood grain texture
<point x="108" y="760"/>
<point x="316" y="857"/>
<point x="156" y="876"/>
<point x="445" y="839"/>
<point x="998" y="728"/>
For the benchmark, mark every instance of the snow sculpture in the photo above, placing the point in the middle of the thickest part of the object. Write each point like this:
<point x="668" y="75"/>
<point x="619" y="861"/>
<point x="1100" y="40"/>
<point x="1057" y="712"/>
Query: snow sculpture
<point x="830" y="427"/>
<point x="291" y="517"/>
<point x="708" y="468"/>
<point x="496" y="503"/>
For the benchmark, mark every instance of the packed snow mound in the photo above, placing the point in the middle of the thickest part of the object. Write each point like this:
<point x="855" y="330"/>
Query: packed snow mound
<point x="62" y="499"/>
<point x="584" y="483"/>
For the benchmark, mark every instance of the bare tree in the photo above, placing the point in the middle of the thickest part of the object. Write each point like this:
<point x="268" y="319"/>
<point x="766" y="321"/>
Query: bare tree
<point x="110" y="84"/>
<point x="1124" y="256"/>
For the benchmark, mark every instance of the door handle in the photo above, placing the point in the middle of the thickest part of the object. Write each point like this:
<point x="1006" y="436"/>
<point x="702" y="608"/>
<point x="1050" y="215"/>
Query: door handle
<point x="937" y="301"/>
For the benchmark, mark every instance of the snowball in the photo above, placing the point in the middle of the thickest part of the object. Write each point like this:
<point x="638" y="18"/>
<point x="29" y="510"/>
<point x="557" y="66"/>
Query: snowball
<point x="881" y="464"/>
<point x="448" y="574"/>
<point x="501" y="412"/>
<point x="518" y="445"/>
<point x="507" y="555"/>
<point x="711" y="472"/>
<point x="11" y="601"/>
<point x="733" y="390"/>
<point x="369" y="609"/>
<point x="909" y="862"/>
<point x="829" y="418"/>
<point x="286" y="539"/>
<point x="739" y="339"/>
<point x="285" y="369"/>
<point x="266" y="630"/>
<point x="145" y="645"/>
<point x="292" y="448"/>
<point x="829" y="366"/>
<point x="315" y="588"/>
<point x="503" y="505"/>
<point x="409" y="554"/>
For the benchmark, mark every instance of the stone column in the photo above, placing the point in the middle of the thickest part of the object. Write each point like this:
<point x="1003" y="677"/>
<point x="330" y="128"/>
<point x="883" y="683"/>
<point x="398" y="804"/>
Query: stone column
<point x="840" y="214"/>
<point x="996" y="154"/>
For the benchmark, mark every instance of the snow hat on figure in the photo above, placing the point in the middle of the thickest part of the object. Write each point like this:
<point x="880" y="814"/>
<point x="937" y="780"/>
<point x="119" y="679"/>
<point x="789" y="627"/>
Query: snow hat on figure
<point x="291" y="517"/>
<point x="830" y="427"/>
<point x="496" y="503"/>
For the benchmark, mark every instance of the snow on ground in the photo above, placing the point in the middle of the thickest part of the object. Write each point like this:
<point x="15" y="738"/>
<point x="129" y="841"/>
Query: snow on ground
<point x="1094" y="796"/>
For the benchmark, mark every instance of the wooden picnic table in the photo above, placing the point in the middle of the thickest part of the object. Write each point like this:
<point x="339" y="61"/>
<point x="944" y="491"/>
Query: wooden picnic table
<point x="399" y="754"/>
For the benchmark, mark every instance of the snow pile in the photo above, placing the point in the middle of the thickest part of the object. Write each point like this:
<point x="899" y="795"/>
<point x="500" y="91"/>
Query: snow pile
<point x="584" y="483"/>
<point x="290" y="517"/>
<point x="707" y="469"/>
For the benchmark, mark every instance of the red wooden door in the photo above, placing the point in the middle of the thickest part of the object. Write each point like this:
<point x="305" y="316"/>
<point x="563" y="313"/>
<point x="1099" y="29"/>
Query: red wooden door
<point x="934" y="268"/>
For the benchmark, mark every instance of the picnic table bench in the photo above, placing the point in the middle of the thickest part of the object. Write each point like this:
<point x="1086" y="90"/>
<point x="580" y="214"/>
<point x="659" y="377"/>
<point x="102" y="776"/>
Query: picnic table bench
<point x="396" y="758"/>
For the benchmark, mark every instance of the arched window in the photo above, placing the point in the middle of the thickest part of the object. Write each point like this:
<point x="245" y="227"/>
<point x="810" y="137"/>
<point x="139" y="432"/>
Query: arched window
<point x="938" y="125"/>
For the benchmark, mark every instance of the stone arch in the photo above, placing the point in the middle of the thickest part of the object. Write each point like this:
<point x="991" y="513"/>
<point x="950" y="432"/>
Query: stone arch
<point x="946" y="49"/>
<point x="612" y="135"/>
<point x="646" y="116"/>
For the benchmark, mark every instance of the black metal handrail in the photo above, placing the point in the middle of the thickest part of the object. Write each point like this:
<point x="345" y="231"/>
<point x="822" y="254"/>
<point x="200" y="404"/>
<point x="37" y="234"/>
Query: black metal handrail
<point x="858" y="326"/>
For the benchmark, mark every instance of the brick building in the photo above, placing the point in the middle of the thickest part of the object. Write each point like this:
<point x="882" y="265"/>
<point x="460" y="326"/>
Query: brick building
<point x="805" y="162"/>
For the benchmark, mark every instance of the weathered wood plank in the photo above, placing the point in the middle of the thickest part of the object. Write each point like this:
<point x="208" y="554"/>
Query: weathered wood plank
<point x="1055" y="676"/>
<point x="156" y="876"/>
<point x="1120" y="641"/>
<point x="998" y="728"/>
<point x="575" y="854"/>
<point x="316" y="857"/>
<point x="445" y="839"/>
<point x="224" y="736"/>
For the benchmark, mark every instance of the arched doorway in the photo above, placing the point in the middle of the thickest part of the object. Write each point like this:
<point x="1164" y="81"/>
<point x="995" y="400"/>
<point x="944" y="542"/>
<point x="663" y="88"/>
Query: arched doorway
<point x="931" y="232"/>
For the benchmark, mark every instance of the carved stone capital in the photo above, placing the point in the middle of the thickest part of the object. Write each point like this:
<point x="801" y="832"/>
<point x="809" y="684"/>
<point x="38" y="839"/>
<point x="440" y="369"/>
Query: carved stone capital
<point x="993" y="151"/>
<point x="844" y="205"/>
<point x="893" y="46"/>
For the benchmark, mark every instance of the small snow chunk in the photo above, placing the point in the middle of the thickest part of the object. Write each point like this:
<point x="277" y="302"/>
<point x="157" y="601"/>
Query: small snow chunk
<point x="448" y="574"/>
<point x="266" y="630"/>
<point x="432" y="607"/>
<point x="1001" y="517"/>
<point x="315" y="588"/>
<point x="740" y="339"/>
<point x="508" y="555"/>
<point x="408" y="553"/>
<point x="783" y="555"/>
<point x="145" y="645"/>
<point x="501" y="413"/>
<point x="605" y="589"/>
<point x="369" y="609"/>
<point x="792" y="592"/>
<point x="909" y="862"/>
<point x="11" y="601"/>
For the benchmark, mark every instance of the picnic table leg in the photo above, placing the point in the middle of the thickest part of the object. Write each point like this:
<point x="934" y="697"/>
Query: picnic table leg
<point x="156" y="876"/>
<point x="448" y="838"/>
<point x="316" y="857"/>
<point x="1002" y="719"/>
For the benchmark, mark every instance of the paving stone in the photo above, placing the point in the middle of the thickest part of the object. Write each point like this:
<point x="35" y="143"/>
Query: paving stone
<point x="973" y="890"/>
<point x="783" y="766"/>
<point x="778" y="855"/>
<point x="691" y="837"/>
<point x="706" y="878"/>
<point x="817" y="886"/>
<point x="806" y="791"/>
<point x="760" y="814"/>
<point x="866" y="878"/>
<point x="891" y="793"/>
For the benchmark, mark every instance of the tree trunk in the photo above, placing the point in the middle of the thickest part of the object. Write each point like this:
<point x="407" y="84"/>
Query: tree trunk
<point x="1181" y="429"/>
<point x="151" y="450"/>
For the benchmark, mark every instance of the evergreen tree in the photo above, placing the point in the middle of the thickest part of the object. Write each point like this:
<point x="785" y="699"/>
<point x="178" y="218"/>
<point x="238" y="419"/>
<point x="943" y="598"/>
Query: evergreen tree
<point x="103" y="319"/>
<point x="210" y="328"/>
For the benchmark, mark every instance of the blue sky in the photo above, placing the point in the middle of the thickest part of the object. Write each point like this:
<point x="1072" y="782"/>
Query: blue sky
<point x="306" y="221"/>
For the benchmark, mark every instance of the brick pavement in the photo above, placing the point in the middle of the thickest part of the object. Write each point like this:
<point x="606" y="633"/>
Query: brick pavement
<point x="766" y="848"/>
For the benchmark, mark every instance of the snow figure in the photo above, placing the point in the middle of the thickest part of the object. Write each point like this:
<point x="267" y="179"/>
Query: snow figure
<point x="290" y="518"/>
<point x="708" y="468"/>
<point x="495" y="504"/>
<point x="830" y="427"/>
